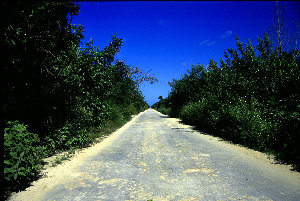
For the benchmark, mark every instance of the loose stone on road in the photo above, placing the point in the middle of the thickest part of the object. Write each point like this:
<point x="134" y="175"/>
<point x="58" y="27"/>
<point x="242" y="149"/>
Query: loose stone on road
<point x="157" y="158"/>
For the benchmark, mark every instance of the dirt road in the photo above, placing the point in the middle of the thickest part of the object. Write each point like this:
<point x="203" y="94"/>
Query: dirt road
<point x="157" y="158"/>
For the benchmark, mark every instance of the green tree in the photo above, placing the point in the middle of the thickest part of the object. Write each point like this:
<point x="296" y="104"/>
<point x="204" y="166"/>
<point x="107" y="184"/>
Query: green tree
<point x="38" y="41"/>
<point x="65" y="94"/>
<point x="252" y="98"/>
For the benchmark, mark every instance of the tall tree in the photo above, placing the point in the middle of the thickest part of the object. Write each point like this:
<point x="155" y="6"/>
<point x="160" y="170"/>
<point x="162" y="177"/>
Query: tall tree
<point x="38" y="40"/>
<point x="285" y="32"/>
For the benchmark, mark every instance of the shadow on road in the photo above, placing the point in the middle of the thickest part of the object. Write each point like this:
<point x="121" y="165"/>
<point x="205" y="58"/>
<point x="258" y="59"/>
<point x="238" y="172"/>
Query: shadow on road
<point x="164" y="116"/>
<point x="278" y="158"/>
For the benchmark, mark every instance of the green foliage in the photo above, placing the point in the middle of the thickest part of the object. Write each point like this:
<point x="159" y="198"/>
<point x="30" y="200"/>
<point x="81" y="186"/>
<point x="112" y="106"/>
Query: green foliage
<point x="194" y="113"/>
<point x="49" y="80"/>
<point x="243" y="123"/>
<point x="186" y="89"/>
<point x="252" y="98"/>
<point x="163" y="105"/>
<point x="116" y="114"/>
<point x="64" y="93"/>
<point x="164" y="110"/>
<point x="66" y="138"/>
<point x="22" y="154"/>
<point x="40" y="45"/>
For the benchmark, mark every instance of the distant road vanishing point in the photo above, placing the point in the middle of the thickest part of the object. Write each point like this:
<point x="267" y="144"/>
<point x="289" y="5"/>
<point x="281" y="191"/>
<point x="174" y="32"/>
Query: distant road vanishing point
<point x="155" y="157"/>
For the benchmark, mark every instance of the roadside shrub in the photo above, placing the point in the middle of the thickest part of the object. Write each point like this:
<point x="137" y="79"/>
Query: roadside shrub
<point x="68" y="137"/>
<point x="251" y="98"/>
<point x="128" y="111"/>
<point x="285" y="126"/>
<point x="115" y="114"/>
<point x="243" y="123"/>
<point x="22" y="154"/>
<point x="204" y="114"/>
<point x="165" y="110"/>
<point x="192" y="113"/>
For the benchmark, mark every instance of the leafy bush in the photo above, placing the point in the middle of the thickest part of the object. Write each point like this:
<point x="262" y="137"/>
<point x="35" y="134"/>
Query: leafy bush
<point x="115" y="114"/>
<point x="51" y="79"/>
<point x="252" y="98"/>
<point x="22" y="154"/>
<point x="64" y="91"/>
<point x="163" y="105"/>
<point x="285" y="127"/>
<point x="68" y="137"/>
<point x="164" y="110"/>
<point x="204" y="114"/>
<point x="243" y="123"/>
<point x="192" y="113"/>
<point x="128" y="111"/>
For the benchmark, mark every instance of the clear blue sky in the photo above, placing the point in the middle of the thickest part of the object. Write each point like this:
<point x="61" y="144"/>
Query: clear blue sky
<point x="170" y="36"/>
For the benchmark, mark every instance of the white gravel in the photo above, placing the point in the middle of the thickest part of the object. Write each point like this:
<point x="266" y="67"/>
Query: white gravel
<point x="67" y="169"/>
<point x="61" y="173"/>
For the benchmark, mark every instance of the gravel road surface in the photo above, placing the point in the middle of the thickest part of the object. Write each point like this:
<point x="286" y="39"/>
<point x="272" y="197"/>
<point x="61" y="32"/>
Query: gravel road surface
<point x="158" y="158"/>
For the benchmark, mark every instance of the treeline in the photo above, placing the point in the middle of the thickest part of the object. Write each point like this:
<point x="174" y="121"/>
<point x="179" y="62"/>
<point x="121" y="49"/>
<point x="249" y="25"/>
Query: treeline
<point x="251" y="98"/>
<point x="56" y="95"/>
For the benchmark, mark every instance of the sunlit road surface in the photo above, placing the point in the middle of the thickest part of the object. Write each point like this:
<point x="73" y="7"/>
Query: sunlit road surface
<point x="157" y="158"/>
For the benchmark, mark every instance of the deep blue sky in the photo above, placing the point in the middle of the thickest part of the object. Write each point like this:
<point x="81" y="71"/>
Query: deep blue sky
<point x="168" y="37"/>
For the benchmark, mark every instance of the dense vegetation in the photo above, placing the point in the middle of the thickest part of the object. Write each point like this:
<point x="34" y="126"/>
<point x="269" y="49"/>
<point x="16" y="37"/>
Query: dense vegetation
<point x="56" y="95"/>
<point x="252" y="98"/>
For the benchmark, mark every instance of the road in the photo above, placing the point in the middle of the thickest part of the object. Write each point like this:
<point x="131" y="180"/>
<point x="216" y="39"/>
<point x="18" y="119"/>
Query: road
<point x="157" y="158"/>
